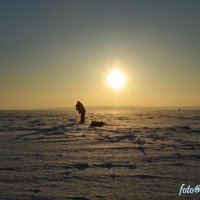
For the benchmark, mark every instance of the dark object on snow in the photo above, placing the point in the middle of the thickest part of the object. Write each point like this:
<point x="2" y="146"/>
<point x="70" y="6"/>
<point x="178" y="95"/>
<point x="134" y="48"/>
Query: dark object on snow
<point x="96" y="123"/>
<point x="81" y="110"/>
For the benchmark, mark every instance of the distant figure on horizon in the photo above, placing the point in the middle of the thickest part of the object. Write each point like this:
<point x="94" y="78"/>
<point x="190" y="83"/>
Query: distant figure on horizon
<point x="81" y="110"/>
<point x="179" y="109"/>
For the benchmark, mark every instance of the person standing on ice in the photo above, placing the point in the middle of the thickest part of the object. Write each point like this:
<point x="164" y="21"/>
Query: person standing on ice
<point x="81" y="110"/>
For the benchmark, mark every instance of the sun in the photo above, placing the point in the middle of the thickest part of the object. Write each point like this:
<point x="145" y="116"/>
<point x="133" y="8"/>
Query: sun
<point x="116" y="79"/>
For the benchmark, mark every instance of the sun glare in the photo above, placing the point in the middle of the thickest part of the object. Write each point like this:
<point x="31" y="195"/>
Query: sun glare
<point x="116" y="79"/>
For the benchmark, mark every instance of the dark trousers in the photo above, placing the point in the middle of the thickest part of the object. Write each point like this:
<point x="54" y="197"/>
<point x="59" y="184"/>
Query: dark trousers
<point x="83" y="117"/>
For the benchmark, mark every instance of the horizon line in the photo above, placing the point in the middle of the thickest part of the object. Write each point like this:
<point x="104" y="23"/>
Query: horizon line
<point x="105" y="107"/>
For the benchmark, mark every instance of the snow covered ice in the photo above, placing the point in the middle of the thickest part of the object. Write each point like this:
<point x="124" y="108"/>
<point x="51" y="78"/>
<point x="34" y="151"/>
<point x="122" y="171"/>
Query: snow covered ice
<point x="136" y="155"/>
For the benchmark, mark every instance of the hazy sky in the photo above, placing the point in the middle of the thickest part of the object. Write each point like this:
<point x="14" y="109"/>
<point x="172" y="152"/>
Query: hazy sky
<point x="53" y="53"/>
